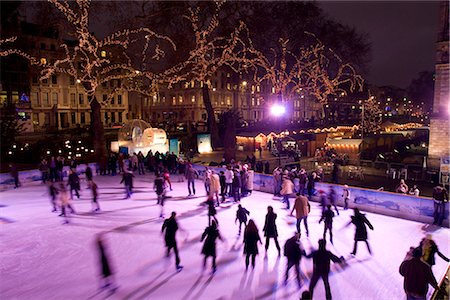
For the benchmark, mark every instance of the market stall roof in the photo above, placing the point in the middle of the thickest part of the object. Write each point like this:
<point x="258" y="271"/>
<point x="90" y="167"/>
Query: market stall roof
<point x="349" y="142"/>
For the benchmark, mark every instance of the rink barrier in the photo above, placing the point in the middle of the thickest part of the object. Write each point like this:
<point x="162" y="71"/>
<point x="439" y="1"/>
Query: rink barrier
<point x="408" y="207"/>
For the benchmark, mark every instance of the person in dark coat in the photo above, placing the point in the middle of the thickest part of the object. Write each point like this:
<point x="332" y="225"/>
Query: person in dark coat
<point x="332" y="195"/>
<point x="211" y="210"/>
<point x="88" y="173"/>
<point x="190" y="174"/>
<point x="15" y="175"/>
<point x="327" y="217"/>
<point x="267" y="167"/>
<point x="236" y="186"/>
<point x="74" y="182"/>
<point x="210" y="235"/>
<point x="94" y="189"/>
<point x="321" y="267"/>
<point x="417" y="276"/>
<point x="251" y="239"/>
<point x="429" y="249"/>
<point x="241" y="216"/>
<point x="127" y="179"/>
<point x="293" y="252"/>
<point x="270" y="228"/>
<point x="43" y="167"/>
<point x="223" y="185"/>
<point x="159" y="187"/>
<point x="440" y="197"/>
<point x="105" y="268"/>
<point x="170" y="226"/>
<point x="312" y="179"/>
<point x="360" y="221"/>
<point x="53" y="192"/>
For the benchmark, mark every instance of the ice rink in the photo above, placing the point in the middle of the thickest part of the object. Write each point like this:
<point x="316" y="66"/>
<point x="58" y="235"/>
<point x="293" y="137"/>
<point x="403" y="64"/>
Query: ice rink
<point x="43" y="259"/>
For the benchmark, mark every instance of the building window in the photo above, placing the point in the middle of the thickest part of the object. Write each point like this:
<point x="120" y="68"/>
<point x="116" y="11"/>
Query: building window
<point x="103" y="53"/>
<point x="120" y="117"/>
<point x="3" y="97"/>
<point x="45" y="99"/>
<point x="54" y="79"/>
<point x="192" y="84"/>
<point x="180" y="99"/>
<point x="47" y="119"/>
<point x="174" y="100"/>
<point x="228" y="86"/>
<point x="119" y="99"/>
<point x="43" y="60"/>
<point x="106" y="118"/>
<point x="228" y="100"/>
<point x="34" y="98"/>
<point x="65" y="100"/>
<point x="253" y="101"/>
<point x="258" y="88"/>
<point x="105" y="98"/>
<point x="82" y="118"/>
<point x="72" y="80"/>
<point x="193" y="99"/>
<point x="81" y="99"/>
<point x="112" y="100"/>
<point x="72" y="100"/>
<point x="36" y="119"/>
<point x="43" y="46"/>
<point x="55" y="98"/>
<point x="45" y="80"/>
<point x="113" y="117"/>
<point x="73" y="118"/>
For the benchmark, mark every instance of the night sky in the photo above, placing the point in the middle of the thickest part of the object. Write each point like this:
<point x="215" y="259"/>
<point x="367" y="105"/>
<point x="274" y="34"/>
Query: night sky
<point x="402" y="33"/>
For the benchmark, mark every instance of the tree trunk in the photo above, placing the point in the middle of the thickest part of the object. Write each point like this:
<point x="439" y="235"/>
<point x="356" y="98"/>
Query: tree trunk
<point x="229" y="138"/>
<point x="212" y="124"/>
<point x="98" y="132"/>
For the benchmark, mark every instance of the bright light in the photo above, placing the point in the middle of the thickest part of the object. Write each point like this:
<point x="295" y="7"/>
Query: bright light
<point x="78" y="81"/>
<point x="244" y="83"/>
<point x="48" y="152"/>
<point x="277" y="110"/>
<point x="137" y="71"/>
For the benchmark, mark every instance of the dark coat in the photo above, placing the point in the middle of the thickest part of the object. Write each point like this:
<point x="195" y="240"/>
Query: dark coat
<point x="211" y="208"/>
<point x="241" y="215"/>
<point x="74" y="181"/>
<point x="159" y="185"/>
<point x="237" y="180"/>
<point x="328" y="216"/>
<point x="170" y="225"/>
<point x="321" y="260"/>
<point x="88" y="173"/>
<point x="210" y="236"/>
<point x="428" y="253"/>
<point x="417" y="276"/>
<point x="127" y="178"/>
<point x="293" y="251"/>
<point x="360" y="222"/>
<point x="270" y="228"/>
<point x="251" y="242"/>
<point x="105" y="268"/>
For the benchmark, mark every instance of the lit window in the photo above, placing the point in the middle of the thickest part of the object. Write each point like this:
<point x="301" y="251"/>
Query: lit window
<point x="228" y="86"/>
<point x="180" y="99"/>
<point x="258" y="88"/>
<point x="174" y="100"/>
<point x="103" y="53"/>
<point x="192" y="84"/>
<point x="193" y="99"/>
<point x="43" y="60"/>
<point x="273" y="90"/>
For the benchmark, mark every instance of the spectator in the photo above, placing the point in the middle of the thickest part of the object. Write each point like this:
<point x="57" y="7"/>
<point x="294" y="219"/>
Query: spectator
<point x="402" y="187"/>
<point x="440" y="197"/>
<point x="414" y="191"/>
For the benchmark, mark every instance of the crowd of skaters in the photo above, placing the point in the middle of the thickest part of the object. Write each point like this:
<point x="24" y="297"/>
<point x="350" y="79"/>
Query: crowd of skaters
<point x="235" y="182"/>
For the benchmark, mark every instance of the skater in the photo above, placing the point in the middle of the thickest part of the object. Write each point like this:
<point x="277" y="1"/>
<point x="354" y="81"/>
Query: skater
<point x="321" y="261"/>
<point x="88" y="173"/>
<point x="207" y="181"/>
<point x="43" y="167"/>
<point x="327" y="217"/>
<point x="303" y="179"/>
<point x="440" y="197"/>
<point x="74" y="182"/>
<point x="214" y="186"/>
<point x="190" y="174"/>
<point x="166" y="176"/>
<point x="287" y="189"/>
<point x="360" y="221"/>
<point x="223" y="185"/>
<point x="64" y="200"/>
<point x="210" y="235"/>
<point x="159" y="187"/>
<point x="107" y="279"/>
<point x="141" y="163"/>
<point x="270" y="228"/>
<point x="302" y="209"/>
<point x="15" y="175"/>
<point x="53" y="192"/>
<point x="346" y="196"/>
<point x="236" y="186"/>
<point x="94" y="189"/>
<point x="251" y="239"/>
<point x="312" y="179"/>
<point x="170" y="225"/>
<point x="229" y="175"/>
<point x="429" y="249"/>
<point x="127" y="179"/>
<point x="211" y="210"/>
<point x="52" y="166"/>
<point x="241" y="216"/>
<point x="332" y="197"/>
<point x="417" y="276"/>
<point x="293" y="251"/>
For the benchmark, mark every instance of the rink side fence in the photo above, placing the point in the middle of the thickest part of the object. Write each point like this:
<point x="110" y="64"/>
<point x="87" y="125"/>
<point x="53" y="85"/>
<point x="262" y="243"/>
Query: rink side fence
<point x="381" y="202"/>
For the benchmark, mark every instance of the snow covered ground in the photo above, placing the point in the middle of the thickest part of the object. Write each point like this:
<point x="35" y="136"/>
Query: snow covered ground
<point x="41" y="258"/>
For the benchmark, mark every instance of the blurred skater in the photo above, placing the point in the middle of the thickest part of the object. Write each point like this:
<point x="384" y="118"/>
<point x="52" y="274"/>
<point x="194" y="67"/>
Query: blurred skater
<point x="53" y="192"/>
<point x="166" y="176"/>
<point x="321" y="262"/>
<point x="74" y="182"/>
<point x="293" y="251"/>
<point x="127" y="179"/>
<point x="64" y="200"/>
<point x="210" y="235"/>
<point x="346" y="196"/>
<point x="270" y="228"/>
<point x="94" y="189"/>
<point x="429" y="249"/>
<point x="251" y="239"/>
<point x="159" y="187"/>
<point x="360" y="221"/>
<point x="327" y="217"/>
<point x="211" y="210"/>
<point x="241" y="216"/>
<point x="170" y="226"/>
<point x="332" y="197"/>
<point x="302" y="208"/>
<point x="106" y="272"/>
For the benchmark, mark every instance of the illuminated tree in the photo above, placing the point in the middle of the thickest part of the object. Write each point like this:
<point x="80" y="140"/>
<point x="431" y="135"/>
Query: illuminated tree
<point x="94" y="61"/>
<point x="371" y="117"/>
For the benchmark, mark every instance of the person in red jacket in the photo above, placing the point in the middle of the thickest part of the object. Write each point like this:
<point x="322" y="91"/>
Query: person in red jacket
<point x="417" y="276"/>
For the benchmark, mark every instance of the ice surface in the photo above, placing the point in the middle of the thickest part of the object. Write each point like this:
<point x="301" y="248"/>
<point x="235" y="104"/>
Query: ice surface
<point x="42" y="259"/>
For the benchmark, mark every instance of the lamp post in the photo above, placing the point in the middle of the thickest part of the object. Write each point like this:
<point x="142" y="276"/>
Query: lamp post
<point x="278" y="110"/>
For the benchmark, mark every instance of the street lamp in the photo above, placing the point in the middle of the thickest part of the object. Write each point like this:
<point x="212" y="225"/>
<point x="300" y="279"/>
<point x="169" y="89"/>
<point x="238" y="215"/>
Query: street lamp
<point x="278" y="110"/>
